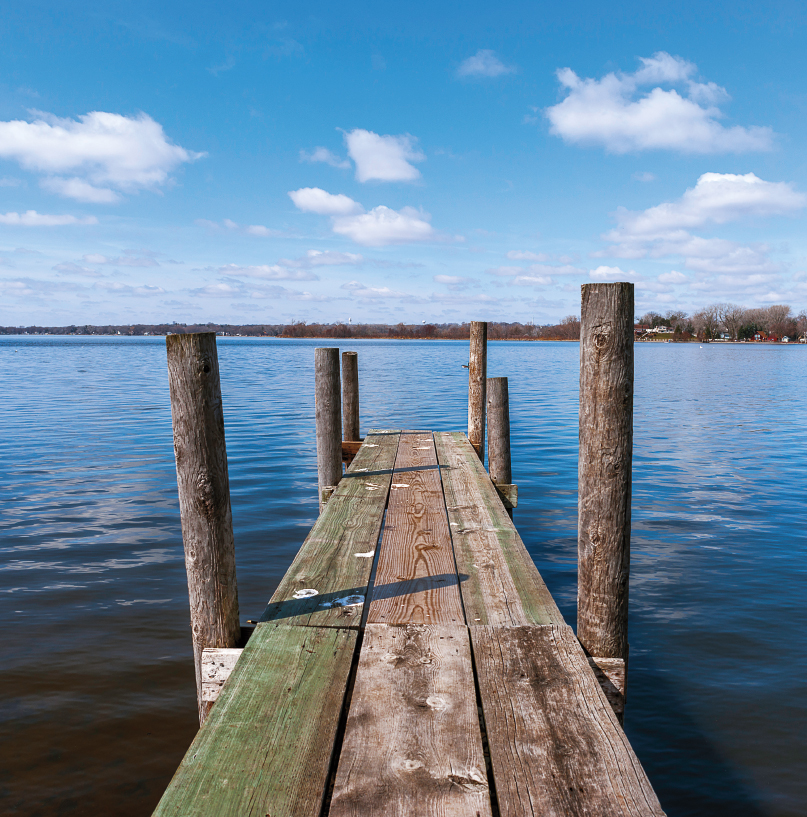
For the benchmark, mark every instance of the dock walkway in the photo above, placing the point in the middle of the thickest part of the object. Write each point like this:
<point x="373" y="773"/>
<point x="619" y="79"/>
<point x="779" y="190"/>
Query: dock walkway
<point x="411" y="662"/>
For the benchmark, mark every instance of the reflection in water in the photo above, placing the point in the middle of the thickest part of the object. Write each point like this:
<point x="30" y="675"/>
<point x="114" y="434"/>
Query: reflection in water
<point x="97" y="698"/>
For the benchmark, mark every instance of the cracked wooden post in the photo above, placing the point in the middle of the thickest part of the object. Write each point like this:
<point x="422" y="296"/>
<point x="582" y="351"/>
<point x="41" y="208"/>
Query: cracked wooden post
<point x="604" y="480"/>
<point x="477" y="373"/>
<point x="499" y="466"/>
<point x="327" y="398"/>
<point x="350" y="396"/>
<point x="204" y="495"/>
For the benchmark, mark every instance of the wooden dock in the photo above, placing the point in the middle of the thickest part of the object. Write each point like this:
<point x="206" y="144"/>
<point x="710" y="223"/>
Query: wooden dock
<point x="411" y="662"/>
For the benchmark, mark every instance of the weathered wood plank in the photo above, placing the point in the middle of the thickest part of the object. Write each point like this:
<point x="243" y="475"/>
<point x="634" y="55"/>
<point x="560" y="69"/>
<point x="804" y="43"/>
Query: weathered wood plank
<point x="266" y="746"/>
<point x="217" y="666"/>
<point x="328" y="411"/>
<point x="412" y="742"/>
<point x="327" y="582"/>
<point x="610" y="673"/>
<point x="503" y="587"/>
<point x="556" y="747"/>
<point x="416" y="577"/>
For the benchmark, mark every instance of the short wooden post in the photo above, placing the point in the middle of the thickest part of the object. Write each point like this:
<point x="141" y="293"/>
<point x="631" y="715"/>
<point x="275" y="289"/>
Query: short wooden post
<point x="477" y="373"/>
<point x="498" y="411"/>
<point x="604" y="474"/>
<point x="350" y="396"/>
<point x="204" y="495"/>
<point x="327" y="399"/>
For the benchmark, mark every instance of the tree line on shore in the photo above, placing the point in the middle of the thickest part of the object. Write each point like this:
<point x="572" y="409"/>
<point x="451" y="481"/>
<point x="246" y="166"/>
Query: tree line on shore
<point x="738" y="322"/>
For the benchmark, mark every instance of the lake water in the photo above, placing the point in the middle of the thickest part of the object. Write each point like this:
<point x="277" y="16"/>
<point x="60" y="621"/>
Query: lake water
<point x="97" y="696"/>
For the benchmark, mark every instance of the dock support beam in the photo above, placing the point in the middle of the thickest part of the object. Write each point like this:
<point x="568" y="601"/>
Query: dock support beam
<point x="499" y="466"/>
<point x="327" y="397"/>
<point x="477" y="374"/>
<point x="604" y="474"/>
<point x="350" y="396"/>
<point x="204" y="495"/>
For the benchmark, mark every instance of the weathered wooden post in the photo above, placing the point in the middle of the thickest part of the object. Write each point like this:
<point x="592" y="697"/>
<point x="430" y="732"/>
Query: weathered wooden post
<point x="204" y="495"/>
<point x="604" y="479"/>
<point x="499" y="467"/>
<point x="477" y="373"/>
<point x="350" y="396"/>
<point x="327" y="399"/>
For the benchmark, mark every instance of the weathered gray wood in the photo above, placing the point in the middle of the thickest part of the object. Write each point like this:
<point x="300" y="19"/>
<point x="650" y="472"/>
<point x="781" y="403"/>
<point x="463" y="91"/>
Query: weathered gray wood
<point x="604" y="470"/>
<point x="508" y="495"/>
<point x="350" y="396"/>
<point x="267" y="746"/>
<point x="217" y="666"/>
<point x="416" y="577"/>
<point x="556" y="747"/>
<point x="204" y="495"/>
<point x="610" y="673"/>
<point x="326" y="584"/>
<point x="349" y="450"/>
<point x="477" y="374"/>
<point x="503" y="586"/>
<point x="498" y="406"/>
<point x="412" y="742"/>
<point x="327" y="399"/>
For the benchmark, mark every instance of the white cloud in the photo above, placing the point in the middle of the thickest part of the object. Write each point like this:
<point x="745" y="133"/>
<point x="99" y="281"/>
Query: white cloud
<point x="383" y="158"/>
<point x="604" y="273"/>
<point x="262" y="231"/>
<point x="372" y="293"/>
<point x="121" y="261"/>
<point x="382" y="226"/>
<point x="91" y="157"/>
<point x="274" y="272"/>
<point x="519" y="255"/>
<point x="535" y="274"/>
<point x="321" y="258"/>
<point x="31" y="218"/>
<point x="320" y="154"/>
<point x="673" y="277"/>
<point x="484" y="63"/>
<point x="316" y="200"/>
<point x="643" y="177"/>
<point x="229" y="224"/>
<point x="616" y="113"/>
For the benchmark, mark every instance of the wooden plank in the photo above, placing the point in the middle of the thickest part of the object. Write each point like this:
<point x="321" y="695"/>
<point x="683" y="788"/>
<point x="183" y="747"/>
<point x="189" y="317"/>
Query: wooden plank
<point x="556" y="747"/>
<point x="267" y="744"/>
<point x="332" y="569"/>
<point x="412" y="741"/>
<point x="508" y="494"/>
<point x="503" y="587"/>
<point x="610" y="673"/>
<point x="217" y="666"/>
<point x="416" y="578"/>
<point x="349" y="449"/>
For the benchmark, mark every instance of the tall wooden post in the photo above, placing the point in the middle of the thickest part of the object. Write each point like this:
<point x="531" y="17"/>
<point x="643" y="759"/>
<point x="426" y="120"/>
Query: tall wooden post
<point x="327" y="399"/>
<point x="204" y="495"/>
<point x="604" y="475"/>
<point x="350" y="396"/>
<point x="498" y="410"/>
<point x="477" y="373"/>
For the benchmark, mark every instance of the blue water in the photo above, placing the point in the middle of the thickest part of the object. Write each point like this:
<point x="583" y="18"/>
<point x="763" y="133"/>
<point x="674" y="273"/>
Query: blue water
<point x="97" y="698"/>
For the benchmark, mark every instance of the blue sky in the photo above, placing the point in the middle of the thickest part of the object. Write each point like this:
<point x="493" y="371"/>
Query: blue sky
<point x="397" y="162"/>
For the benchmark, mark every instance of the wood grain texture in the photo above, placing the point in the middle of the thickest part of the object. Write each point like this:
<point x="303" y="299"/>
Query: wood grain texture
<point x="416" y="577"/>
<point x="556" y="747"/>
<point x="477" y="375"/>
<point x="503" y="587"/>
<point x="328" y="411"/>
<point x="204" y="495"/>
<point x="610" y="673"/>
<point x="217" y="666"/>
<point x="412" y="741"/>
<point x="350" y="396"/>
<point x="604" y="469"/>
<point x="337" y="555"/>
<point x="498" y="403"/>
<point x="266" y="747"/>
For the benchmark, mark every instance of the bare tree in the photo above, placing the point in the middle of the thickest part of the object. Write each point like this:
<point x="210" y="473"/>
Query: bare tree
<point x="674" y="317"/>
<point x="732" y="317"/>
<point x="706" y="322"/>
<point x="780" y="320"/>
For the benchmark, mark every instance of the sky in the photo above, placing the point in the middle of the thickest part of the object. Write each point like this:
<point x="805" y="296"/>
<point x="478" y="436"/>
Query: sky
<point x="385" y="162"/>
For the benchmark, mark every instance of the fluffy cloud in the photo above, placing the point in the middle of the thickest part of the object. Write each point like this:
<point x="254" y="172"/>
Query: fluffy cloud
<point x="383" y="158"/>
<point x="604" y="273"/>
<point x="377" y="228"/>
<point x="228" y="224"/>
<point x="273" y="272"/>
<point x="484" y="63"/>
<point x="121" y="261"/>
<point x="316" y="200"/>
<point x="320" y="154"/>
<point x="382" y="226"/>
<point x="618" y="112"/>
<point x="535" y="274"/>
<point x="519" y="255"/>
<point x="373" y="293"/>
<point x="31" y="218"/>
<point x="92" y="157"/>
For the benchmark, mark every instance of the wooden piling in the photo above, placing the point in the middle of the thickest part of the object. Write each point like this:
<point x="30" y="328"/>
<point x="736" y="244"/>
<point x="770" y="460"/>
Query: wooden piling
<point x="604" y="470"/>
<point x="327" y="399"/>
<point x="204" y="495"/>
<point x="498" y="411"/>
<point x="350" y="396"/>
<point x="477" y="373"/>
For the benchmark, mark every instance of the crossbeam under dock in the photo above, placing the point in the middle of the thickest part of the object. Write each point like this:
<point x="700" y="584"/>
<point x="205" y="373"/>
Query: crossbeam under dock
<point x="325" y="713"/>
